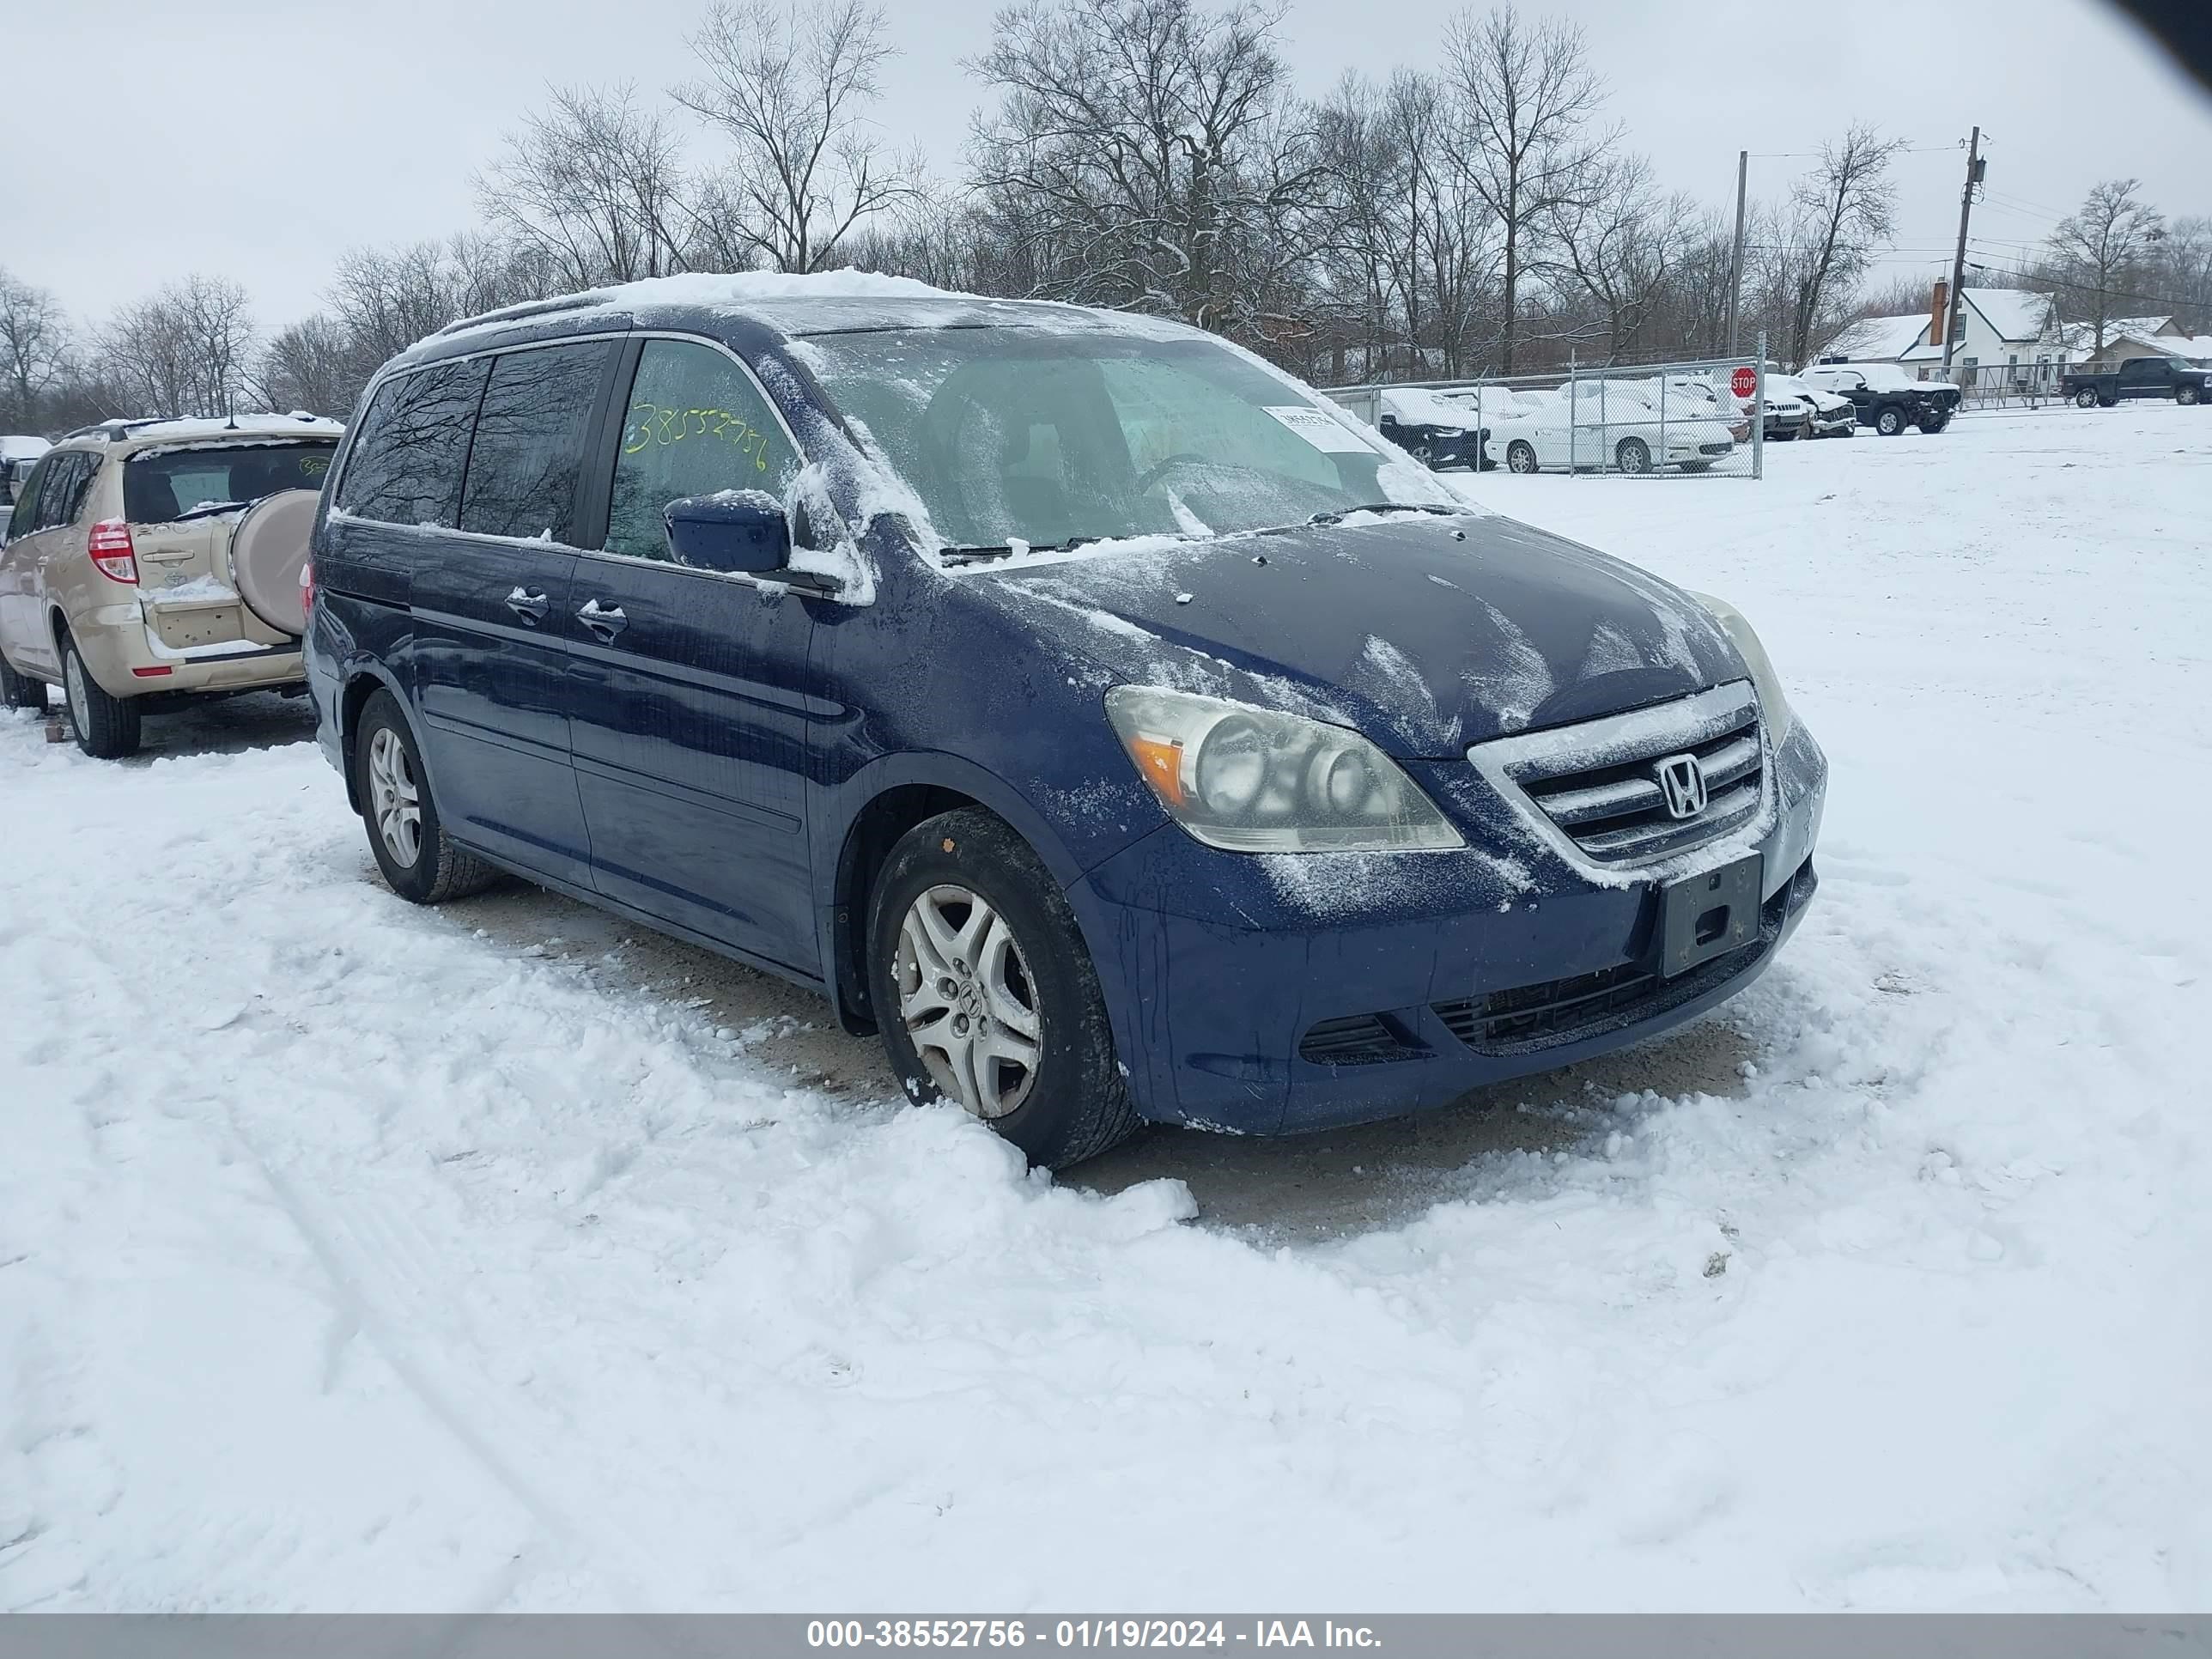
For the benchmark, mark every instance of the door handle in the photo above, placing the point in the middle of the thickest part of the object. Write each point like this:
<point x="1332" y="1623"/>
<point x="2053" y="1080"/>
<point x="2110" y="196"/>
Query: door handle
<point x="531" y="607"/>
<point x="606" y="623"/>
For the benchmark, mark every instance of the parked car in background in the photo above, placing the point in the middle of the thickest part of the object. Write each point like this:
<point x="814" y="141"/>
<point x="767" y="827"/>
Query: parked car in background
<point x="1887" y="399"/>
<point x="983" y="665"/>
<point x="1435" y="432"/>
<point x="152" y="561"/>
<point x="1617" y="425"/>
<point x="2138" y="377"/>
<point x="1828" y="414"/>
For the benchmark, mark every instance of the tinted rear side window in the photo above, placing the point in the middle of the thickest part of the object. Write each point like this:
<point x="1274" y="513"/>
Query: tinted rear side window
<point x="531" y="439"/>
<point x="412" y="446"/>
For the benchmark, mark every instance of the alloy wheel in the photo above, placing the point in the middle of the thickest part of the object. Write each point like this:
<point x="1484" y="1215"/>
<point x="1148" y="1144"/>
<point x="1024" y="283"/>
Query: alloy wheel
<point x="394" y="801"/>
<point x="73" y="679"/>
<point x="968" y="1001"/>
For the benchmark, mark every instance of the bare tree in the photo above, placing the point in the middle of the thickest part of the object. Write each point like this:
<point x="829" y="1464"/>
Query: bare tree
<point x="386" y="298"/>
<point x="595" y="186"/>
<point x="1528" y="96"/>
<point x="33" y="349"/>
<point x="315" y="365"/>
<point x="1152" y="153"/>
<point x="791" y="86"/>
<point x="1617" y="245"/>
<point x="1817" y="248"/>
<point x="2181" y="270"/>
<point x="183" y="351"/>
<point x="2099" y="246"/>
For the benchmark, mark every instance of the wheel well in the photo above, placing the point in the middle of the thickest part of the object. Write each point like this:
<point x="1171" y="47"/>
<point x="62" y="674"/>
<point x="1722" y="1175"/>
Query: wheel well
<point x="58" y="625"/>
<point x="868" y="843"/>
<point x="358" y="691"/>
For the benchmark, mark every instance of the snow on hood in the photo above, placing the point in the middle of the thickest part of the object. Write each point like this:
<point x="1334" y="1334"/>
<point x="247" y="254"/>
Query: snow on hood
<point x="1419" y="406"/>
<point x="1427" y="634"/>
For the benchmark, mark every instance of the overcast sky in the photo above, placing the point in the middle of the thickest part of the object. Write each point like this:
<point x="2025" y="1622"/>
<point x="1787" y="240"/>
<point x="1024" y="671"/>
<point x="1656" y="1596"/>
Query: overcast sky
<point x="255" y="139"/>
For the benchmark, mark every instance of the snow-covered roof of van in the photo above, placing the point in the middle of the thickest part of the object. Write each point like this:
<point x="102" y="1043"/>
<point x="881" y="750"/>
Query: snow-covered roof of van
<point x="22" y="447"/>
<point x="828" y="302"/>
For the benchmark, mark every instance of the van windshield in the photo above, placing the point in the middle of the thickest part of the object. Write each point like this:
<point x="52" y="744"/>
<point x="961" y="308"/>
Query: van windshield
<point x="1013" y="436"/>
<point x="162" y="485"/>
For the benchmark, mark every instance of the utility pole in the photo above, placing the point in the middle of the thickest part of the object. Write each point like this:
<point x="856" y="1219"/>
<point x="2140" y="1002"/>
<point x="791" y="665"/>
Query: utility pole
<point x="1954" y="309"/>
<point x="1735" y="263"/>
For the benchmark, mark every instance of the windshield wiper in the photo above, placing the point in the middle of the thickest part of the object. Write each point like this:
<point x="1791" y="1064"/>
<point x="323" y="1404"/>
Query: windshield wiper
<point x="1339" y="514"/>
<point x="979" y="555"/>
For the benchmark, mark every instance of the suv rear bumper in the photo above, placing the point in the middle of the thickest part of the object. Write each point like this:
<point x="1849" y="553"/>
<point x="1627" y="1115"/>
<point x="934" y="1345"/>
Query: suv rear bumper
<point x="127" y="661"/>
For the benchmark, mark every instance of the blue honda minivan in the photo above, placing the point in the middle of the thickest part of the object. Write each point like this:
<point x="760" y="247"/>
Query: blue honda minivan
<point x="1095" y="711"/>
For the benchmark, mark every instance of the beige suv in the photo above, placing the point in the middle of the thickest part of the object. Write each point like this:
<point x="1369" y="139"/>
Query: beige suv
<point x="151" y="561"/>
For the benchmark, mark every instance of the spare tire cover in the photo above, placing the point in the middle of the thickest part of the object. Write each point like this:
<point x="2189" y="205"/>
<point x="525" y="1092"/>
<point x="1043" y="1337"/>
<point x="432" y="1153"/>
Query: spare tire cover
<point x="266" y="552"/>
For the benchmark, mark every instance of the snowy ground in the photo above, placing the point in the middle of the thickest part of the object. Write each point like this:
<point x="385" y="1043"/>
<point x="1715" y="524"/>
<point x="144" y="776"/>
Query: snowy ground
<point x="357" y="1256"/>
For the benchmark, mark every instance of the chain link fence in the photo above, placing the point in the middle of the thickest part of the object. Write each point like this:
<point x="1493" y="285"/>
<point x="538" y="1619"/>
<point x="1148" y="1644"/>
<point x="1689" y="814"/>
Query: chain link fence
<point x="1678" y="420"/>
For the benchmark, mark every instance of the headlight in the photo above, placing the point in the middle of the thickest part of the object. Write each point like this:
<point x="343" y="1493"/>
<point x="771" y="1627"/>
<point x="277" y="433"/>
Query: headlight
<point x="1253" y="781"/>
<point x="1779" y="718"/>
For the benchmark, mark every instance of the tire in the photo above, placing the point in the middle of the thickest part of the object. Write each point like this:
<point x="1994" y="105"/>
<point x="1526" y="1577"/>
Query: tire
<point x="2111" y="402"/>
<point x="1068" y="1100"/>
<point x="2086" y="397"/>
<point x="424" y="866"/>
<point x="2187" y="394"/>
<point x="1632" y="455"/>
<point x="1520" y="456"/>
<point x="1890" y="421"/>
<point x="105" y="727"/>
<point x="1425" y="454"/>
<point x="21" y="691"/>
<point x="1935" y="423"/>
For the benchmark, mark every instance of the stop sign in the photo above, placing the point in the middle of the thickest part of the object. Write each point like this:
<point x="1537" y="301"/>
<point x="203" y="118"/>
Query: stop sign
<point x="1744" y="382"/>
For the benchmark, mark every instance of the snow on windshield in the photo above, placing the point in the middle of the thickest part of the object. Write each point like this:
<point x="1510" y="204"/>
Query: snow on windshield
<point x="1015" y="437"/>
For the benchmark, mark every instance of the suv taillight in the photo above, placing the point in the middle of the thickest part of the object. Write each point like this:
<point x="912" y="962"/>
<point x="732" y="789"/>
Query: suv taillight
<point x="112" y="552"/>
<point x="308" y="587"/>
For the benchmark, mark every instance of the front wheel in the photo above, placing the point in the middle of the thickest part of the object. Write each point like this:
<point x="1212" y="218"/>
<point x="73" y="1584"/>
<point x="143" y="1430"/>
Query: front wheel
<point x="986" y="994"/>
<point x="1632" y="455"/>
<point x="1521" y="456"/>
<point x="2187" y="394"/>
<point x="419" y="861"/>
<point x="21" y="691"/>
<point x="105" y="727"/>
<point x="1890" y="421"/>
<point x="1935" y="423"/>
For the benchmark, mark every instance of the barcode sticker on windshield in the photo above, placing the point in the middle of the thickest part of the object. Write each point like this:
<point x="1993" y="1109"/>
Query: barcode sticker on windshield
<point x="1319" y="428"/>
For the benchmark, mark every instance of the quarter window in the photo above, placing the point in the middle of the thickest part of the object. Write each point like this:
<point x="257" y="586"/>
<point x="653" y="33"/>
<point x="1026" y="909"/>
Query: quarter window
<point x="25" y="518"/>
<point x="696" y="424"/>
<point x="530" y="442"/>
<point x="407" y="458"/>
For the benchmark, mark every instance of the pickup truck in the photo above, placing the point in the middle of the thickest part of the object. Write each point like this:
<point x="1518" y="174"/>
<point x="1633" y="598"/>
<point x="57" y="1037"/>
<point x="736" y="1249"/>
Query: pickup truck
<point x="2139" y="377"/>
<point x="1885" y="398"/>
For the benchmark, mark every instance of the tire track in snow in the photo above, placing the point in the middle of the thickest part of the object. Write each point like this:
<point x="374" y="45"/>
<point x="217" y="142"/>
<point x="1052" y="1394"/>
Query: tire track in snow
<point x="357" y="1308"/>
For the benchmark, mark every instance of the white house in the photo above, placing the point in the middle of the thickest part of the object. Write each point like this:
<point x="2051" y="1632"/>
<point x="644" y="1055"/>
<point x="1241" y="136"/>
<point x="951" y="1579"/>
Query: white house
<point x="2136" y="336"/>
<point x="2002" y="329"/>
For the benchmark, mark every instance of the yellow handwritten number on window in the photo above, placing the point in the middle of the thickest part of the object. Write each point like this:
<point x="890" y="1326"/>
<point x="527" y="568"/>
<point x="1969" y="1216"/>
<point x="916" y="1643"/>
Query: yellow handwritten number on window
<point x="651" y="427"/>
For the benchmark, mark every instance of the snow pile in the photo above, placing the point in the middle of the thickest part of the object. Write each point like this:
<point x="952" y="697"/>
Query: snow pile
<point x="349" y="1259"/>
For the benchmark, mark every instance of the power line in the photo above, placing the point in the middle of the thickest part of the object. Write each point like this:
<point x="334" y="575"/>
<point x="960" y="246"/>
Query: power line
<point x="2042" y="280"/>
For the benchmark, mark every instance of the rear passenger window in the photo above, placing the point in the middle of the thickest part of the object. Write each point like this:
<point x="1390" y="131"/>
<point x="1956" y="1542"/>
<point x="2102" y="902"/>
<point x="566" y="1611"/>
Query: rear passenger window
<point x="529" y="448"/>
<point x="405" y="467"/>
<point x="25" y="518"/>
<point x="696" y="424"/>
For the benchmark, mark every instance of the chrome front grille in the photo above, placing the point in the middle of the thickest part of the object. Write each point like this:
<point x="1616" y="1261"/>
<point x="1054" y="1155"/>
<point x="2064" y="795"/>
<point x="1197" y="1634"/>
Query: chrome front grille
<point x="1601" y="784"/>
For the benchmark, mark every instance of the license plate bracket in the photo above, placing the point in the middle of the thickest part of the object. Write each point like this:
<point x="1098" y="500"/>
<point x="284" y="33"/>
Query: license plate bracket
<point x="1708" y="915"/>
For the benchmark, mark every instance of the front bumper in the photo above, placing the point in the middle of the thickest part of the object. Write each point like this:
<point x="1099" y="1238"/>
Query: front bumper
<point x="1268" y="995"/>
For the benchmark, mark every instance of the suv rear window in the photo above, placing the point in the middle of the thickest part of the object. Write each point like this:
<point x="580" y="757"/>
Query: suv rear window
<point x="162" y="485"/>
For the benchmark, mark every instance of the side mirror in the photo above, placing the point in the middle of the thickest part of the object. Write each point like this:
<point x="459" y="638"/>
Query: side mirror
<point x="734" y="530"/>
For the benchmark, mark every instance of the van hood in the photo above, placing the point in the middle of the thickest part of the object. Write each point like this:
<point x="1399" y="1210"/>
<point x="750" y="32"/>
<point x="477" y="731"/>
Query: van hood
<point x="1426" y="634"/>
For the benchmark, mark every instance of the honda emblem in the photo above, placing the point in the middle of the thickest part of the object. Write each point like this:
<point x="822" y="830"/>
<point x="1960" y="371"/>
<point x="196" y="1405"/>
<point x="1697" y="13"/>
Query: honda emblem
<point x="1682" y="782"/>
